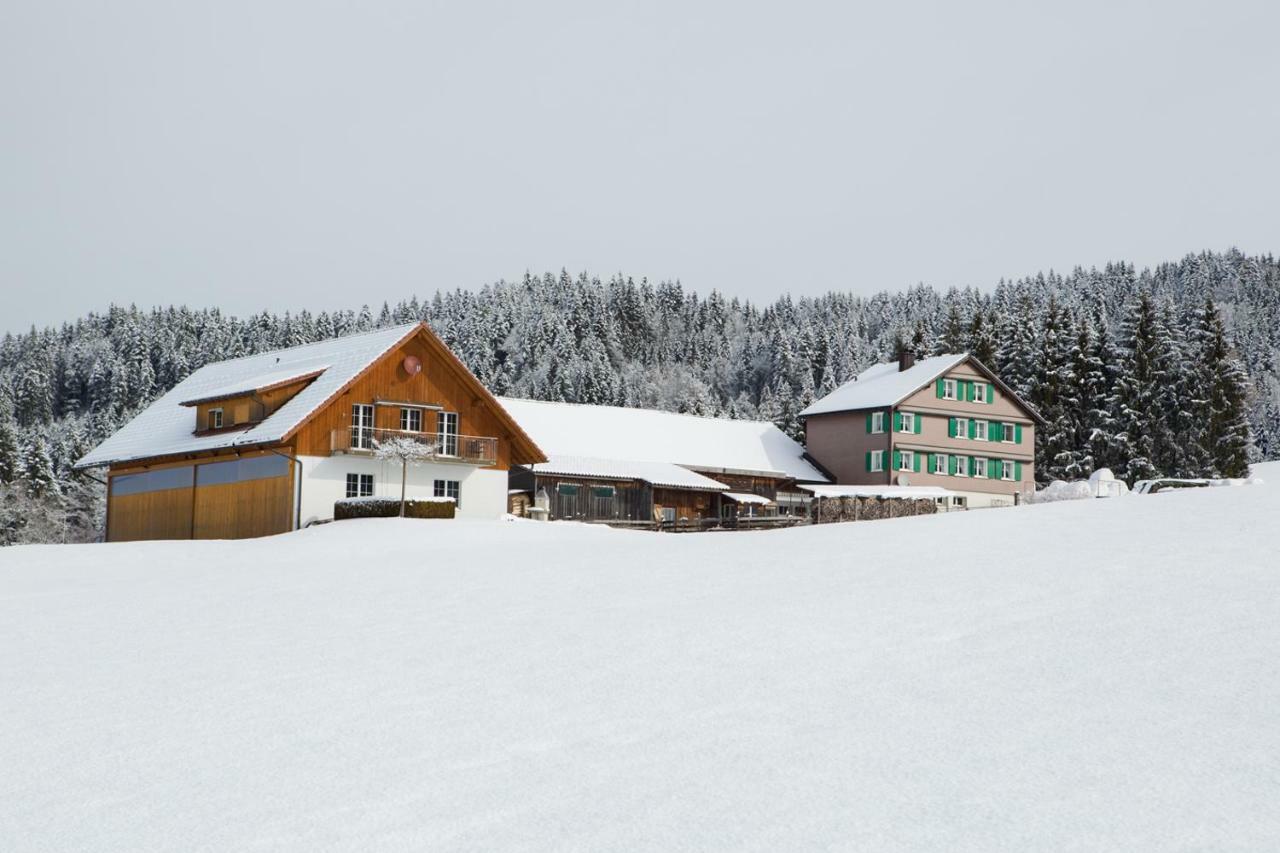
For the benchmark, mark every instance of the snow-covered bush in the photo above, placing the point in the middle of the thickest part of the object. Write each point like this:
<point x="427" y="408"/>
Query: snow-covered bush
<point x="1061" y="490"/>
<point x="390" y="508"/>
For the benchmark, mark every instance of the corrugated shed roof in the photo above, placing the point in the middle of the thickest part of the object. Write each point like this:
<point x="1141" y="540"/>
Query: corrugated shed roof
<point x="657" y="473"/>
<point x="647" y="435"/>
<point x="166" y="427"/>
<point x="883" y="385"/>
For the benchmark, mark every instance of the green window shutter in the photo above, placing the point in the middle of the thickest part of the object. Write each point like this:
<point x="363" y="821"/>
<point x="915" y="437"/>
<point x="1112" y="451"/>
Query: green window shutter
<point x="993" y="469"/>
<point x="991" y="393"/>
<point x="1017" y="471"/>
<point x="915" y="463"/>
<point x="973" y="428"/>
<point x="1017" y="433"/>
<point x="868" y="460"/>
<point x="996" y="429"/>
<point x="868" y="423"/>
<point x="951" y="427"/>
<point x="919" y="423"/>
<point x="973" y="466"/>
<point x="968" y="390"/>
<point x="940" y="388"/>
<point x="897" y="459"/>
<point x="951" y="466"/>
<point x="897" y="421"/>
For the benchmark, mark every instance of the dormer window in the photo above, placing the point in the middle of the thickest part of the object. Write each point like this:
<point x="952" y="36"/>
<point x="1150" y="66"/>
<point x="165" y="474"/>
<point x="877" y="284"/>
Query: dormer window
<point x="214" y="420"/>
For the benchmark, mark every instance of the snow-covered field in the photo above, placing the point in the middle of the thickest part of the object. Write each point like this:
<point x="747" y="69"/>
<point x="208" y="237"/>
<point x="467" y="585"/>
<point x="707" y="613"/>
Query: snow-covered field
<point x="1088" y="675"/>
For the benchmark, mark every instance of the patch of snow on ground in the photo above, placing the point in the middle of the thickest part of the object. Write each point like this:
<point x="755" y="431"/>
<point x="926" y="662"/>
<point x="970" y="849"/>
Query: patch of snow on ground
<point x="1085" y="675"/>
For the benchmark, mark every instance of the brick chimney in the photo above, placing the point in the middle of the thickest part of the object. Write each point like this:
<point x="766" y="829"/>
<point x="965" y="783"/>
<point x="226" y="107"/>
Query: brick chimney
<point x="906" y="360"/>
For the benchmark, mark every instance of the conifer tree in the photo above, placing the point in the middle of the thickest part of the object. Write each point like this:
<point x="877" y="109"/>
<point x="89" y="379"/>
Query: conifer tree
<point x="1221" y="413"/>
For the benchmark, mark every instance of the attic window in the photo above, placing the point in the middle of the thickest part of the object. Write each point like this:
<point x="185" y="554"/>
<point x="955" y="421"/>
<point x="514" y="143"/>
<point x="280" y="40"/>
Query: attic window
<point x="214" y="420"/>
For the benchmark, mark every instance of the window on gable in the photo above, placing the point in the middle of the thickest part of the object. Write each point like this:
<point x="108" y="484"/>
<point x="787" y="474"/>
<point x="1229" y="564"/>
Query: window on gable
<point x="948" y="389"/>
<point x="980" y="392"/>
<point x="908" y="422"/>
<point x="411" y="420"/>
<point x="214" y="419"/>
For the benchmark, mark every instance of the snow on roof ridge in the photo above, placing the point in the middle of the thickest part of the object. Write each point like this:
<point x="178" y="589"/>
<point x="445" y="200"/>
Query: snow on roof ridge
<point x="379" y="331"/>
<point x="637" y="409"/>
<point x="893" y="385"/>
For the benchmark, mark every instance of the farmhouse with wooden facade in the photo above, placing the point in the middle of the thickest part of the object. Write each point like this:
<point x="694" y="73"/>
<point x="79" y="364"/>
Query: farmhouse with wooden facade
<point x="608" y="463"/>
<point x="946" y="421"/>
<point x="268" y="443"/>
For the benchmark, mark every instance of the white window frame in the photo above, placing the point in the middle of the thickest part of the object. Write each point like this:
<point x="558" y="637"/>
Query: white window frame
<point x="1009" y="434"/>
<point x="877" y="422"/>
<point x="962" y="466"/>
<point x="980" y="392"/>
<point x="877" y="460"/>
<point x="363" y="485"/>
<point x="908" y="425"/>
<point x="962" y="428"/>
<point x="1006" y="469"/>
<point x="906" y="460"/>
<point x="447" y="433"/>
<point x="362" y="426"/>
<point x="448" y="489"/>
<point x="940" y="462"/>
<point x="408" y="418"/>
<point x="948" y="389"/>
<point x="980" y="468"/>
<point x="209" y="419"/>
<point x="980" y="430"/>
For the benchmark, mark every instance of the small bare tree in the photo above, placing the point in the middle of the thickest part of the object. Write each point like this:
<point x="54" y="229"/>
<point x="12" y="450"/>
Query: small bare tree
<point x="407" y="450"/>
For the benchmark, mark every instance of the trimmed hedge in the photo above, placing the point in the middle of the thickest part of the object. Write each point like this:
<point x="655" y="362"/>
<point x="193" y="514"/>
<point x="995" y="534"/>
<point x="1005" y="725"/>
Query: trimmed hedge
<point x="390" y="508"/>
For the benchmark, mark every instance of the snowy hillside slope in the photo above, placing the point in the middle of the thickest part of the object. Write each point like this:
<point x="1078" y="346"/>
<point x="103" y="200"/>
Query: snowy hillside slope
<point x="1079" y="676"/>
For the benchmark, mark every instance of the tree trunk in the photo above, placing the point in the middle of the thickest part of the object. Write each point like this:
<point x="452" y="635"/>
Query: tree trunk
<point x="404" y="472"/>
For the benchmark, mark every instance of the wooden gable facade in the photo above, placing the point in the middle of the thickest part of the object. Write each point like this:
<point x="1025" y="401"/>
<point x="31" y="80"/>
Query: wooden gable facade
<point x="257" y="489"/>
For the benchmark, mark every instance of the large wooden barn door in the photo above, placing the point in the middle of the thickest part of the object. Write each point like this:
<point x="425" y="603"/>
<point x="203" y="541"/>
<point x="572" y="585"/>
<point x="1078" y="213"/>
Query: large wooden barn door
<point x="242" y="498"/>
<point x="152" y="504"/>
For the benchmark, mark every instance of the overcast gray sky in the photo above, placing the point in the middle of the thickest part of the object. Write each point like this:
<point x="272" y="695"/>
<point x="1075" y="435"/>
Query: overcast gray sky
<point x="317" y="154"/>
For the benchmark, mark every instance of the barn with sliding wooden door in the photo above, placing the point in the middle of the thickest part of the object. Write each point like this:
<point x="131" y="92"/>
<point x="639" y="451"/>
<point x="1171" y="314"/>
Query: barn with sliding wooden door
<point x="269" y="443"/>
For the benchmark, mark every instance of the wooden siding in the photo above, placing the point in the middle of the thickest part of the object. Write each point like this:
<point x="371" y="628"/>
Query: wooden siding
<point x="151" y="515"/>
<point x="687" y="504"/>
<point x="238" y="410"/>
<point x="237" y="510"/>
<point x="243" y="510"/>
<point x="439" y="383"/>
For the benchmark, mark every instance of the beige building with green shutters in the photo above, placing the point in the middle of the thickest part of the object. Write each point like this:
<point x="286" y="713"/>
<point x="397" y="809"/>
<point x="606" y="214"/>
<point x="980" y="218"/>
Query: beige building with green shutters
<point x="946" y="421"/>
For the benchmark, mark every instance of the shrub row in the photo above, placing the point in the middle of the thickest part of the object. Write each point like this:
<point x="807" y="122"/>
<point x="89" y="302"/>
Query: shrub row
<point x="390" y="508"/>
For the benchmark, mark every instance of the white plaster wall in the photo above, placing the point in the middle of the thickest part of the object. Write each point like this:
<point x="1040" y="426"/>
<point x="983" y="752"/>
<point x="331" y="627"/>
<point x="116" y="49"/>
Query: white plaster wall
<point x="483" y="492"/>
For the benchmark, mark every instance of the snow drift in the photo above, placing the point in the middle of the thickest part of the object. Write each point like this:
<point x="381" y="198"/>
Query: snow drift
<point x="1085" y="675"/>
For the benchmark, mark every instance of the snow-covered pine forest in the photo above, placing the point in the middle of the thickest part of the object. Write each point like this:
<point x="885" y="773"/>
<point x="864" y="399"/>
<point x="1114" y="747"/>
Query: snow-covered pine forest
<point x="1174" y="370"/>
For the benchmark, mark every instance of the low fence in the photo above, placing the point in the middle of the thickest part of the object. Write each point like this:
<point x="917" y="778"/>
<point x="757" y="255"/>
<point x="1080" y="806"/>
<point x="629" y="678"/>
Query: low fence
<point x="698" y="525"/>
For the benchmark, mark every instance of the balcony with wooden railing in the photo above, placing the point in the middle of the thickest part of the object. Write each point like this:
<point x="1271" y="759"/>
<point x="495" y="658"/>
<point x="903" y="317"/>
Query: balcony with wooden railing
<point x="440" y="447"/>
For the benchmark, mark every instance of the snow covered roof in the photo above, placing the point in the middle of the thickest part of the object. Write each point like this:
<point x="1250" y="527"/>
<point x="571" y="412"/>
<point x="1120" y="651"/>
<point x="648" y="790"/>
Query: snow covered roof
<point x="647" y="435"/>
<point x="252" y="384"/>
<point x="746" y="498"/>
<point x="883" y="385"/>
<point x="166" y="426"/>
<point x="852" y="491"/>
<point x="657" y="473"/>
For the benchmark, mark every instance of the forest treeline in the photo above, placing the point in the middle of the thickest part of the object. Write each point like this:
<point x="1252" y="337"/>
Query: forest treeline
<point x="1171" y="370"/>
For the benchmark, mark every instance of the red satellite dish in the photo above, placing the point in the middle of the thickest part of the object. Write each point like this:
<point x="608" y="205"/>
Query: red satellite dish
<point x="412" y="365"/>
